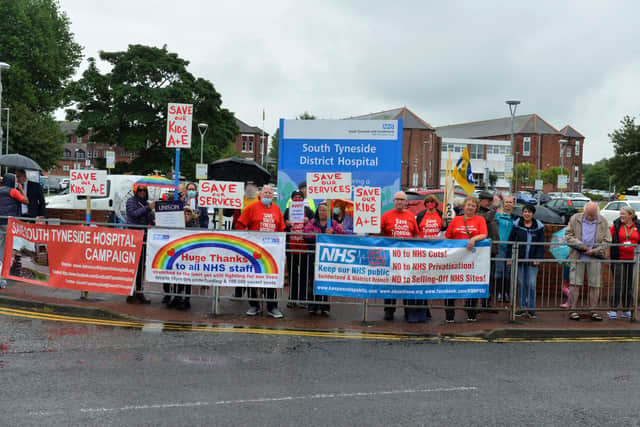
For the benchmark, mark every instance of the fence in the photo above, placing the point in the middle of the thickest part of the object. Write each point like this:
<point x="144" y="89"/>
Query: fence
<point x="551" y="282"/>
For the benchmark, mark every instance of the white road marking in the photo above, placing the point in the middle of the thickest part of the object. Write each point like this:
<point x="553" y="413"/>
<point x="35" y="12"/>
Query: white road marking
<point x="274" y="399"/>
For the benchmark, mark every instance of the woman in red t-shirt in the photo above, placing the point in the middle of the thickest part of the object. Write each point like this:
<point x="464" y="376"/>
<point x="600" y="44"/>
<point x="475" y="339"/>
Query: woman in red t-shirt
<point x="625" y="231"/>
<point x="430" y="220"/>
<point x="467" y="226"/>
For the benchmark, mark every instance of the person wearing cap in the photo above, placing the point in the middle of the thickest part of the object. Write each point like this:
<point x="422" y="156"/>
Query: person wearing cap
<point x="487" y="210"/>
<point x="527" y="230"/>
<point x="140" y="212"/>
<point x="302" y="186"/>
<point x="298" y="257"/>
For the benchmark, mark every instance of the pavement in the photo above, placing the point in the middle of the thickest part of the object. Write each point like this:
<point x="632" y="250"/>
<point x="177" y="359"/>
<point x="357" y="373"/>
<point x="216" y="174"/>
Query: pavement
<point x="346" y="316"/>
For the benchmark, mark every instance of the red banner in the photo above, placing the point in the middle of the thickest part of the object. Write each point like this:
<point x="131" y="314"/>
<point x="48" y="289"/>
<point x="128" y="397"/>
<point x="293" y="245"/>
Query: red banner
<point x="94" y="259"/>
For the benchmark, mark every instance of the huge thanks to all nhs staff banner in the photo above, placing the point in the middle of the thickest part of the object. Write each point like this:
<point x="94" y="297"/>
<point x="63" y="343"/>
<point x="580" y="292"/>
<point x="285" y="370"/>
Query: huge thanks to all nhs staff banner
<point x="370" y="149"/>
<point x="381" y="267"/>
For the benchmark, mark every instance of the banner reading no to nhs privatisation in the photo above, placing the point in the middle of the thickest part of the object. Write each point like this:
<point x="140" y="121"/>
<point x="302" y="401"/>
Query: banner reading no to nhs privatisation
<point x="370" y="149"/>
<point x="94" y="259"/>
<point x="226" y="258"/>
<point x="382" y="267"/>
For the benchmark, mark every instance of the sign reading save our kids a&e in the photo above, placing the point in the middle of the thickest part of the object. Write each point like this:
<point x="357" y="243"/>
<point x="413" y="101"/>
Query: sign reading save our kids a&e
<point x="88" y="182"/>
<point x="366" y="212"/>
<point x="371" y="150"/>
<point x="221" y="194"/>
<point x="179" y="118"/>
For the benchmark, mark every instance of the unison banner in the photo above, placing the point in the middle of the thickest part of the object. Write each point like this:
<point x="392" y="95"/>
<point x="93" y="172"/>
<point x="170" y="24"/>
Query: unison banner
<point x="382" y="267"/>
<point x="94" y="259"/>
<point x="227" y="258"/>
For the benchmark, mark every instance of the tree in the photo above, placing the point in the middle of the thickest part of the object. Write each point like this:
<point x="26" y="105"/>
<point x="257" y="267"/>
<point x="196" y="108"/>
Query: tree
<point x="524" y="173"/>
<point x="626" y="146"/>
<point x="550" y="175"/>
<point x="493" y="178"/>
<point x="596" y="175"/>
<point x="38" y="45"/>
<point x="127" y="106"/>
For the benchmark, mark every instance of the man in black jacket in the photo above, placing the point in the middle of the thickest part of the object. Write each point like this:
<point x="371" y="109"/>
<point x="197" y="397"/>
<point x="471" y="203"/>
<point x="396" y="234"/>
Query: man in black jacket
<point x="487" y="210"/>
<point x="33" y="191"/>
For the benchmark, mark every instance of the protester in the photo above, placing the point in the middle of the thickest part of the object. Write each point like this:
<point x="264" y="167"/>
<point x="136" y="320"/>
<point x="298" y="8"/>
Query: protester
<point x="298" y="256"/>
<point x="341" y="216"/>
<point x="33" y="190"/>
<point x="302" y="186"/>
<point x="318" y="225"/>
<point x="527" y="230"/>
<point x="262" y="216"/>
<point x="502" y="271"/>
<point x="140" y="212"/>
<point x="191" y="200"/>
<point x="587" y="235"/>
<point x="11" y="199"/>
<point x="398" y="222"/>
<point x="487" y="210"/>
<point x="250" y="194"/>
<point x="474" y="228"/>
<point x="626" y="231"/>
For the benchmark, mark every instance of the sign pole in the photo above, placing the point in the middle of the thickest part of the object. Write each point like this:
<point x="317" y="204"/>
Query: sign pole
<point x="177" y="174"/>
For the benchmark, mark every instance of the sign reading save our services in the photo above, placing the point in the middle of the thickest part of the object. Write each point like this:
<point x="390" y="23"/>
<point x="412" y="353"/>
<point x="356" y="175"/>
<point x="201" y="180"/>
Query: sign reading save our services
<point x="88" y="182"/>
<point x="221" y="194"/>
<point x="329" y="185"/>
<point x="179" y="118"/>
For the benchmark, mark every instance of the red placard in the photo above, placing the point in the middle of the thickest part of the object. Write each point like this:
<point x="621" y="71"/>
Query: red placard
<point x="94" y="259"/>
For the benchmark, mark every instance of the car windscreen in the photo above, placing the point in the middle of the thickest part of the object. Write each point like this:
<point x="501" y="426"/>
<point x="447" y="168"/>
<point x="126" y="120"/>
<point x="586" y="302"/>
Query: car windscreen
<point x="579" y="203"/>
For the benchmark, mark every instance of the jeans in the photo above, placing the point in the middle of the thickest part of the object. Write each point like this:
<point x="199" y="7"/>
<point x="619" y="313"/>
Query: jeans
<point x="527" y="274"/>
<point x="502" y="273"/>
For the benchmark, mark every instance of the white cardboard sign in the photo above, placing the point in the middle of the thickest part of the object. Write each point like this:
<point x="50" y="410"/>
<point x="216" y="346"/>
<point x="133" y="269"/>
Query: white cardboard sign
<point x="221" y="194"/>
<point x="179" y="118"/>
<point x="329" y="185"/>
<point x="88" y="182"/>
<point x="367" y="209"/>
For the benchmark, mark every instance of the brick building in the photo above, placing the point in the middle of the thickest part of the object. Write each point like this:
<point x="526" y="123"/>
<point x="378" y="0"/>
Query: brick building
<point x="251" y="142"/>
<point x="420" y="148"/>
<point x="536" y="142"/>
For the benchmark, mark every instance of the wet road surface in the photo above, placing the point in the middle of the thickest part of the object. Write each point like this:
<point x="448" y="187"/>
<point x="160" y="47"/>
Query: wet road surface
<point x="60" y="374"/>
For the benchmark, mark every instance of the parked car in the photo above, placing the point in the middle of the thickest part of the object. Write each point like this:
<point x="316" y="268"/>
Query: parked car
<point x="566" y="207"/>
<point x="612" y="210"/>
<point x="416" y="199"/>
<point x="525" y="198"/>
<point x="545" y="215"/>
<point x="51" y="185"/>
<point x="576" y="196"/>
<point x="64" y="183"/>
<point x="544" y="198"/>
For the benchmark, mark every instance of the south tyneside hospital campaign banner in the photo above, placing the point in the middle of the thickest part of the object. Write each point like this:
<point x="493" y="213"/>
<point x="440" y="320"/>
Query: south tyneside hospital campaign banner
<point x="381" y="267"/>
<point x="226" y="258"/>
<point x="371" y="150"/>
<point x="94" y="259"/>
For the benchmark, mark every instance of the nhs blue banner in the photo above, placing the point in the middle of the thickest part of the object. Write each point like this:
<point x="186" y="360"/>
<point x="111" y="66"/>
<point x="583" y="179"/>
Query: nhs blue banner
<point x="371" y="150"/>
<point x="382" y="267"/>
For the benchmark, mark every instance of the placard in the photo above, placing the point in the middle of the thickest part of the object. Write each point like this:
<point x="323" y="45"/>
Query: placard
<point x="88" y="182"/>
<point x="202" y="171"/>
<point x="170" y="214"/>
<point x="329" y="185"/>
<point x="296" y="212"/>
<point x="221" y="194"/>
<point x="367" y="209"/>
<point x="110" y="157"/>
<point x="539" y="185"/>
<point x="562" y="182"/>
<point x="179" y="118"/>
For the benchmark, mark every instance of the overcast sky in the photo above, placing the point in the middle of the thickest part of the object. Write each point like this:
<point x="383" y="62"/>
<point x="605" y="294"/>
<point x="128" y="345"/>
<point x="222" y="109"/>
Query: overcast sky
<point x="571" y="63"/>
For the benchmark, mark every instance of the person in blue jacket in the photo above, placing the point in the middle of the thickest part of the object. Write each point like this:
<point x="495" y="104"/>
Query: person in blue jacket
<point x="502" y="273"/>
<point x="527" y="230"/>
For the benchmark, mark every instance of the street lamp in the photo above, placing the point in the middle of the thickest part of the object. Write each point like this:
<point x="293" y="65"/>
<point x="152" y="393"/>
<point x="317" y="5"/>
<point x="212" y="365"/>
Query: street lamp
<point x="202" y="128"/>
<point x="513" y="105"/>
<point x="3" y="66"/>
<point x="8" y="111"/>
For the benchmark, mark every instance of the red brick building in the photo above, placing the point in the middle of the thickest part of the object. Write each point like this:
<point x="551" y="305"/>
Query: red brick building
<point x="420" y="148"/>
<point x="251" y="142"/>
<point x="536" y="142"/>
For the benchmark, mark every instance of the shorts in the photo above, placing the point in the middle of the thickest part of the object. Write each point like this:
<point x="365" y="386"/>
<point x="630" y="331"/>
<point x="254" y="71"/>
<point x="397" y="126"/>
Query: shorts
<point x="577" y="271"/>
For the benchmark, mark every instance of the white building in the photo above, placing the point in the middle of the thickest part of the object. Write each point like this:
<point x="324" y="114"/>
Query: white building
<point x="487" y="156"/>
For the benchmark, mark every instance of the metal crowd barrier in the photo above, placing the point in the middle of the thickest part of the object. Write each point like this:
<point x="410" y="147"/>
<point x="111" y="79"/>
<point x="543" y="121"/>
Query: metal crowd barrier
<point x="551" y="281"/>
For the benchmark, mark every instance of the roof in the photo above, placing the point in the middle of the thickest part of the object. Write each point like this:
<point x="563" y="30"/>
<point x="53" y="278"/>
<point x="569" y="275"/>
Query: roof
<point x="409" y="118"/>
<point x="68" y="128"/>
<point x="528" y="123"/>
<point x="570" y="132"/>
<point x="245" y="128"/>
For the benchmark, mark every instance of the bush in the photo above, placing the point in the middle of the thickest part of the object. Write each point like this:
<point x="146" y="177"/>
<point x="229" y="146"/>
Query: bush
<point x="594" y="197"/>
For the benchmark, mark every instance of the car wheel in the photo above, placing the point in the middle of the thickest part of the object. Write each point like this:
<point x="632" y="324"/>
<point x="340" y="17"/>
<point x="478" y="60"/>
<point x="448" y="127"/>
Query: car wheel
<point x="563" y="219"/>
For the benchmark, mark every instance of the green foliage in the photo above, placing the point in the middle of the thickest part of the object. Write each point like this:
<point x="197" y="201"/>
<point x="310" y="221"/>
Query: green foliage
<point x="525" y="173"/>
<point x="550" y="175"/>
<point x="493" y="178"/>
<point x="38" y="45"/>
<point x="594" y="197"/>
<point x="626" y="145"/>
<point x="128" y="107"/>
<point x="596" y="175"/>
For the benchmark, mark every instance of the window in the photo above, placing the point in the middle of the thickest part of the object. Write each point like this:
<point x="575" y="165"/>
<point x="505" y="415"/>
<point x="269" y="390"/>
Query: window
<point x="498" y="149"/>
<point x="576" y="173"/>
<point x="577" y="148"/>
<point x="67" y="154"/>
<point x="476" y="151"/>
<point x="415" y="179"/>
<point x="568" y="152"/>
<point x="65" y="168"/>
<point x="247" y="143"/>
<point x="526" y="146"/>
<point x="80" y="155"/>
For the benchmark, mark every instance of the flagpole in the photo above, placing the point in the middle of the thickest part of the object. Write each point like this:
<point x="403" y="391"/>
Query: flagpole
<point x="262" y="141"/>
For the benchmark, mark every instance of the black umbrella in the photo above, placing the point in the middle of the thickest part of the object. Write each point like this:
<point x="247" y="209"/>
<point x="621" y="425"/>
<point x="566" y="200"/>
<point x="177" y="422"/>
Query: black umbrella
<point x="237" y="169"/>
<point x="545" y="215"/>
<point x="18" y="161"/>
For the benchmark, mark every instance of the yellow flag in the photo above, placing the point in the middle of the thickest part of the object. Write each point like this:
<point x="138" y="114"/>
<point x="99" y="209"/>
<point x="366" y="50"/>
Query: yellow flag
<point x="463" y="174"/>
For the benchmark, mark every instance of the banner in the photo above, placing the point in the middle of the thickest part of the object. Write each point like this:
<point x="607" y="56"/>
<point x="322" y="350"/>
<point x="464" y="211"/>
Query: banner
<point x="94" y="259"/>
<point x="228" y="258"/>
<point x="382" y="267"/>
<point x="370" y="149"/>
<point x="367" y="210"/>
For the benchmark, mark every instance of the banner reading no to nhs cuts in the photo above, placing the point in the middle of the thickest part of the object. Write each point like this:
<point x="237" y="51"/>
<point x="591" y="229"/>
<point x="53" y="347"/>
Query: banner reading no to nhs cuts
<point x="382" y="267"/>
<point x="370" y="149"/>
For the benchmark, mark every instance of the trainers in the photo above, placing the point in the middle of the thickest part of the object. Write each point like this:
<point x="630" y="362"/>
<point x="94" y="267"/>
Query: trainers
<point x="471" y="319"/>
<point x="388" y="315"/>
<point x="450" y="320"/>
<point x="532" y="315"/>
<point x="565" y="305"/>
<point x="253" y="311"/>
<point x="519" y="313"/>
<point x="3" y="284"/>
<point x="612" y="314"/>
<point x="275" y="313"/>
<point x="626" y="315"/>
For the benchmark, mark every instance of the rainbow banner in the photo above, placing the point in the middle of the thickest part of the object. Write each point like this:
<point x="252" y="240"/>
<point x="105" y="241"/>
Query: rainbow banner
<point x="226" y="258"/>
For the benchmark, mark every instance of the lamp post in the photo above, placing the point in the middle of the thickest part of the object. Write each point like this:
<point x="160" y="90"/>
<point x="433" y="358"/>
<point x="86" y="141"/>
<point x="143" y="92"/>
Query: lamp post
<point x="202" y="128"/>
<point x="3" y="66"/>
<point x="7" y="150"/>
<point x="513" y="105"/>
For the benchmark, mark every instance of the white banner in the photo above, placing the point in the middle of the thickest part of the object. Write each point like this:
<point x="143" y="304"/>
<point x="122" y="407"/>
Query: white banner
<point x="179" y="118"/>
<point x="329" y="185"/>
<point x="88" y="182"/>
<point x="226" y="258"/>
<point x="367" y="209"/>
<point x="221" y="194"/>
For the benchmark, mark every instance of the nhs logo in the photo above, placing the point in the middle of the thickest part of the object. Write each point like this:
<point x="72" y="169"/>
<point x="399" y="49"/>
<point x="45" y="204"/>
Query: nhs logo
<point x="388" y="126"/>
<point x="338" y="255"/>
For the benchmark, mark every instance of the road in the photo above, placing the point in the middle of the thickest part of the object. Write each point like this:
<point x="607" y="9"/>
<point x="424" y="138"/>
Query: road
<point x="65" y="374"/>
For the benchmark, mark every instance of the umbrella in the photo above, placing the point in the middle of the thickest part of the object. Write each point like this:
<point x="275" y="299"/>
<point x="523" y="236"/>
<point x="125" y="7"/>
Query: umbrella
<point x="237" y="169"/>
<point x="155" y="185"/>
<point x="559" y="249"/>
<point x="18" y="161"/>
<point x="545" y="215"/>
